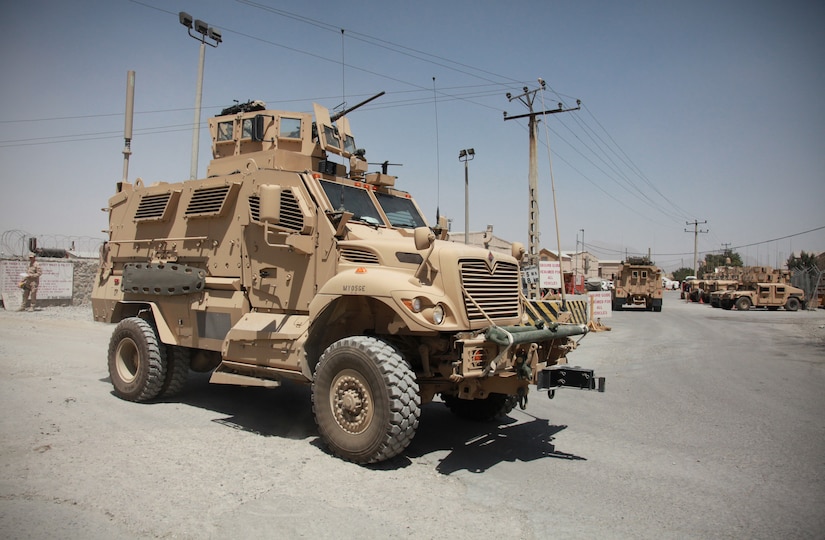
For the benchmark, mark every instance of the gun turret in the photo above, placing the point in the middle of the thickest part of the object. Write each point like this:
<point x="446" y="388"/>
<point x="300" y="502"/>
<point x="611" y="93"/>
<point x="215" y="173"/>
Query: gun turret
<point x="338" y="115"/>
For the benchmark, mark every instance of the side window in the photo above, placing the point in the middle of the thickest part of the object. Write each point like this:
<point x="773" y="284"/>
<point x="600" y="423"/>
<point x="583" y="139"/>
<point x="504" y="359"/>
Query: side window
<point x="290" y="128"/>
<point x="331" y="138"/>
<point x="644" y="274"/>
<point x="635" y="274"/>
<point x="246" y="132"/>
<point x="225" y="131"/>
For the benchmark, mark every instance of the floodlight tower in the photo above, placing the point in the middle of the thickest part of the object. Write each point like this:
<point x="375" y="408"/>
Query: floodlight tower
<point x="203" y="31"/>
<point x="466" y="155"/>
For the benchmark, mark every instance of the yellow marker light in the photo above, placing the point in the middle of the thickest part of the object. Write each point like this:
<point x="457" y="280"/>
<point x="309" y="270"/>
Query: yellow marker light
<point x="413" y="305"/>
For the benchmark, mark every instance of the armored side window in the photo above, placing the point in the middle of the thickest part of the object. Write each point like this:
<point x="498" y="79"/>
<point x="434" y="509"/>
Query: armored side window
<point x="644" y="274"/>
<point x="331" y="138"/>
<point x="635" y="274"/>
<point x="246" y="132"/>
<point x="290" y="128"/>
<point x="349" y="144"/>
<point x="225" y="130"/>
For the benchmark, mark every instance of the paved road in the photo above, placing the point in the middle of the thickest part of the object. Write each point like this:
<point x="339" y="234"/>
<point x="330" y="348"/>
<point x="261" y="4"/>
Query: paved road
<point x="712" y="426"/>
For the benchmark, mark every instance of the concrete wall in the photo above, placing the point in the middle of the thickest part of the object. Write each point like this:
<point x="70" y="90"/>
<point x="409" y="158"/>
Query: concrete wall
<point x="83" y="275"/>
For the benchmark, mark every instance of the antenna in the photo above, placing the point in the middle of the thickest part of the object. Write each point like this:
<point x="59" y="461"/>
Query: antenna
<point x="127" y="127"/>
<point x="437" y="159"/>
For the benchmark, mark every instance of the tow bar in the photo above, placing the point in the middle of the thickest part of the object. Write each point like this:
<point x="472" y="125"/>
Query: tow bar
<point x="564" y="376"/>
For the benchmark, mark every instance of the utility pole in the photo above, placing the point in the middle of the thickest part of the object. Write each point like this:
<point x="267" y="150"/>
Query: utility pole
<point x="696" y="232"/>
<point x="527" y="98"/>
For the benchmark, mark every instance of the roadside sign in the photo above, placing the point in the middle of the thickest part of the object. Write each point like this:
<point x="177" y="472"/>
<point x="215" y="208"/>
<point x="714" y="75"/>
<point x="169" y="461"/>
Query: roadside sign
<point x="549" y="275"/>
<point x="601" y="304"/>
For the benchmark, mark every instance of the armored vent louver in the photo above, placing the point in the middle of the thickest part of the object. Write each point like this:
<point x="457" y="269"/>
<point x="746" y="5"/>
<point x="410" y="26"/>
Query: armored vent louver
<point x="255" y="207"/>
<point x="207" y="201"/>
<point x="358" y="256"/>
<point x="153" y="207"/>
<point x="291" y="216"/>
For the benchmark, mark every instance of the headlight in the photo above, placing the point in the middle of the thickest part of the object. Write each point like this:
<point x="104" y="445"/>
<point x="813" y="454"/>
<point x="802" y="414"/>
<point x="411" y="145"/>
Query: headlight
<point x="413" y="305"/>
<point x="438" y="314"/>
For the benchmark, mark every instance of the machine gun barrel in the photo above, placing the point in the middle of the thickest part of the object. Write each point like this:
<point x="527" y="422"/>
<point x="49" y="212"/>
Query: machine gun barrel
<point x="336" y="116"/>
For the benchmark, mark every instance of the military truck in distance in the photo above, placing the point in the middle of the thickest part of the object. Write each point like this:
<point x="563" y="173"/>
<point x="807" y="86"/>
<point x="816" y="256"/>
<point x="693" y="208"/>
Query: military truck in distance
<point x="768" y="295"/>
<point x="638" y="283"/>
<point x="285" y="265"/>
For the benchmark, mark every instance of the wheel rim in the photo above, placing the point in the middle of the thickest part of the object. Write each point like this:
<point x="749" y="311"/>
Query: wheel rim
<point x="127" y="360"/>
<point x="351" y="402"/>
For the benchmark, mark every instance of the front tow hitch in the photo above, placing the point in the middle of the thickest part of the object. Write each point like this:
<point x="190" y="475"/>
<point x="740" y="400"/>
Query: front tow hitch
<point x="564" y="376"/>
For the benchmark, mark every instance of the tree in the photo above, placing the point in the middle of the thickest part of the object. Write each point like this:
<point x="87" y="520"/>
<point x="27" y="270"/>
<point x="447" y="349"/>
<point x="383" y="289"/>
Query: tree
<point x="682" y="273"/>
<point x="715" y="260"/>
<point x="803" y="262"/>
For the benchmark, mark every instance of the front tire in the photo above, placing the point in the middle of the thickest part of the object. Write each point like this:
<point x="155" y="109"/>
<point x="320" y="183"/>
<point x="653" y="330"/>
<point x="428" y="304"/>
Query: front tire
<point x="137" y="360"/>
<point x="792" y="304"/>
<point x="743" y="304"/>
<point x="365" y="400"/>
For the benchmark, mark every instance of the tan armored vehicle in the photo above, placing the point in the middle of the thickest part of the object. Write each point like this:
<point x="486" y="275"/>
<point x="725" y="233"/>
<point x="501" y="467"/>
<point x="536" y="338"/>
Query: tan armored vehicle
<point x="638" y="283"/>
<point x="286" y="265"/>
<point x="769" y="295"/>
<point x="714" y="288"/>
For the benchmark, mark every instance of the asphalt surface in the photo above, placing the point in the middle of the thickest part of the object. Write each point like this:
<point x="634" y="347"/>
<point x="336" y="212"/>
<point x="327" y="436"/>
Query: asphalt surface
<point x="712" y="426"/>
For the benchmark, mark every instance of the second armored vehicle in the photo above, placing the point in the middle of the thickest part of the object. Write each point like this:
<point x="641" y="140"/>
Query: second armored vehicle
<point x="638" y="283"/>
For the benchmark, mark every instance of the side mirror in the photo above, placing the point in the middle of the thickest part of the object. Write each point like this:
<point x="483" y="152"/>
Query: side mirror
<point x="258" y="128"/>
<point x="517" y="250"/>
<point x="424" y="238"/>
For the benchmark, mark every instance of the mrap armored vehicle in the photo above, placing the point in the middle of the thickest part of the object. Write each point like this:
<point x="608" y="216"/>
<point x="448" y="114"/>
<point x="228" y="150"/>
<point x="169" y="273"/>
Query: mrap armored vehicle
<point x="638" y="283"/>
<point x="292" y="262"/>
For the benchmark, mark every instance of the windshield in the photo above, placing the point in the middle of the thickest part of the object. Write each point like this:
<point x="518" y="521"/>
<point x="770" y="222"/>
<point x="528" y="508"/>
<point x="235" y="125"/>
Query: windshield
<point x="401" y="211"/>
<point x="352" y="199"/>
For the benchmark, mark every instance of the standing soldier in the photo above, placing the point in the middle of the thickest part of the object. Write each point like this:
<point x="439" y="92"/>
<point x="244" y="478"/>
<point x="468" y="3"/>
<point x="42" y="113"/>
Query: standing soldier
<point x="30" y="283"/>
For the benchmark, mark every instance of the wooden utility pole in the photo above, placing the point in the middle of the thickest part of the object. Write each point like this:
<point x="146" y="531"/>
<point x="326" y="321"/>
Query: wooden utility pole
<point x="527" y="98"/>
<point x="696" y="232"/>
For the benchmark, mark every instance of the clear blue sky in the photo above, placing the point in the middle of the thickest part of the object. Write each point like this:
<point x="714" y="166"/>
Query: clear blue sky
<point x="708" y="110"/>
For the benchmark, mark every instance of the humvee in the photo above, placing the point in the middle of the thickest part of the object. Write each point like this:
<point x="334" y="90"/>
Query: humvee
<point x="638" y="283"/>
<point x="291" y="261"/>
<point x="769" y="295"/>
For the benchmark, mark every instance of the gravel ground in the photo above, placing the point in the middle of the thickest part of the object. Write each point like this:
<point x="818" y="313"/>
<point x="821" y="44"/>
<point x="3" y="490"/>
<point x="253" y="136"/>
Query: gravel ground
<point x="712" y="426"/>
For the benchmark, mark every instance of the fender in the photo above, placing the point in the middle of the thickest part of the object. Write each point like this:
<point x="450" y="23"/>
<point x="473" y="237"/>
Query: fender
<point x="127" y="308"/>
<point x="382" y="284"/>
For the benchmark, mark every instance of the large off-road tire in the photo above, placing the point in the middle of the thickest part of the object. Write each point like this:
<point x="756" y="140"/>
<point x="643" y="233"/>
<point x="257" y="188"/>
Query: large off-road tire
<point x="177" y="370"/>
<point x="137" y="360"/>
<point x="792" y="304"/>
<point x="743" y="303"/>
<point x="365" y="400"/>
<point x="480" y="410"/>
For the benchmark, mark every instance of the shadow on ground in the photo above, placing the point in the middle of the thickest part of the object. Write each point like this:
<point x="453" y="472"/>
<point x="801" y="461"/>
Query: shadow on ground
<point x="286" y="412"/>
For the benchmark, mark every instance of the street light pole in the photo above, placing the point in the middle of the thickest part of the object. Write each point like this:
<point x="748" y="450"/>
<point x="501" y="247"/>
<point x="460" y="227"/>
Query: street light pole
<point x="203" y="31"/>
<point x="466" y="155"/>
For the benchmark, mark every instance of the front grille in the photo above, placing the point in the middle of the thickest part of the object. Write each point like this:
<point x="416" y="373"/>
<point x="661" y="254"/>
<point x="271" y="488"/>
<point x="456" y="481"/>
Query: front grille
<point x="496" y="291"/>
